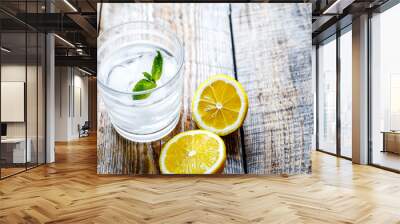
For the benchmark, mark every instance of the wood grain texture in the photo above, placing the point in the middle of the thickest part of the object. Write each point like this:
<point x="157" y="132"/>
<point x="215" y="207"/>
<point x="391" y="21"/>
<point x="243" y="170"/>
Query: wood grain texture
<point x="273" y="57"/>
<point x="205" y="33"/>
<point x="70" y="191"/>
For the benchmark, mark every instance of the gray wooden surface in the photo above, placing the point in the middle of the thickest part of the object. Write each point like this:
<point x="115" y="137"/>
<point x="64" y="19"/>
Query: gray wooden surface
<point x="273" y="58"/>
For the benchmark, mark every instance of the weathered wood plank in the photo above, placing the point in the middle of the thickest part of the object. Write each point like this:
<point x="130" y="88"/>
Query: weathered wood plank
<point x="273" y="57"/>
<point x="205" y="33"/>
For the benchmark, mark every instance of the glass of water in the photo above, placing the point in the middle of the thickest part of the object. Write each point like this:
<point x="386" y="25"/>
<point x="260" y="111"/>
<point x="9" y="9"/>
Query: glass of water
<point x="125" y="52"/>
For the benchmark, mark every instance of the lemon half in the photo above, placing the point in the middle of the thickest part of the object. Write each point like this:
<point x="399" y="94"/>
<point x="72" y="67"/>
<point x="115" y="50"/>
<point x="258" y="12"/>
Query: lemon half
<point x="220" y="105"/>
<point x="193" y="152"/>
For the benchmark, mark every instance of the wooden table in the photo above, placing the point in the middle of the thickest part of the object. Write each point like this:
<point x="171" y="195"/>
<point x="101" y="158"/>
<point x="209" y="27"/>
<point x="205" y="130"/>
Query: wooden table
<point x="391" y="141"/>
<point x="15" y="152"/>
<point x="267" y="47"/>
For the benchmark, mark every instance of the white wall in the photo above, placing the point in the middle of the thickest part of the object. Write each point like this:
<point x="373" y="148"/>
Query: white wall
<point x="82" y="82"/>
<point x="62" y="81"/>
<point x="33" y="126"/>
<point x="70" y="84"/>
<point x="12" y="100"/>
<point x="12" y="73"/>
<point x="80" y="110"/>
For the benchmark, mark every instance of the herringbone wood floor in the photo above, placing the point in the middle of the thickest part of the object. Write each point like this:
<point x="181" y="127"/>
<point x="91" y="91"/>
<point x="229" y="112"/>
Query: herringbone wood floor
<point x="69" y="191"/>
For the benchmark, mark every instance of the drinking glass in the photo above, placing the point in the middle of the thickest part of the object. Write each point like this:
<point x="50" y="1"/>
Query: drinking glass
<point x="125" y="52"/>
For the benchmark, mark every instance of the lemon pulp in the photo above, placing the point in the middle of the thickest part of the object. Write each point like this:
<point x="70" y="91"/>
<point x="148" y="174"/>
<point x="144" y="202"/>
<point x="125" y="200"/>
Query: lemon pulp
<point x="193" y="152"/>
<point x="220" y="105"/>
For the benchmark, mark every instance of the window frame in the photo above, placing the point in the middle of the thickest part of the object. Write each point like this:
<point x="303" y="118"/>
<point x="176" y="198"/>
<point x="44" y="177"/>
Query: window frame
<point x="334" y="37"/>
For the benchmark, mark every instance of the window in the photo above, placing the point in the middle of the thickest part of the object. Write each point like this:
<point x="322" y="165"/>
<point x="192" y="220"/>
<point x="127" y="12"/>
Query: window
<point x="385" y="89"/>
<point x="22" y="65"/>
<point x="314" y="81"/>
<point x="327" y="96"/>
<point x="346" y="93"/>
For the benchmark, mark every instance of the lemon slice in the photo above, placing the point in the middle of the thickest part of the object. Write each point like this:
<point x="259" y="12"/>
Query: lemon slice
<point x="193" y="152"/>
<point x="220" y="105"/>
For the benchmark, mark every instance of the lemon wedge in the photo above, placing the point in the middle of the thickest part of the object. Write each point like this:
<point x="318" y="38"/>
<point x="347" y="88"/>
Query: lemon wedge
<point x="193" y="152"/>
<point x="220" y="105"/>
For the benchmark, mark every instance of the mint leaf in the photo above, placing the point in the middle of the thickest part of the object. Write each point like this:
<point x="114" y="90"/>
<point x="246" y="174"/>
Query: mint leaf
<point x="150" y="80"/>
<point x="148" y="76"/>
<point x="156" y="70"/>
<point x="142" y="85"/>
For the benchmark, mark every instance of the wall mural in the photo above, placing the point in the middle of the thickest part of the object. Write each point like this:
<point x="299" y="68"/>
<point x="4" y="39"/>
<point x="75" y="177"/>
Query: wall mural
<point x="204" y="88"/>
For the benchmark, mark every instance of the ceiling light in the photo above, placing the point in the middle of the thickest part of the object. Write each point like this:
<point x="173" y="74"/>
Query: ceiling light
<point x="337" y="7"/>
<point x="65" y="41"/>
<point x="84" y="71"/>
<point x="79" y="51"/>
<point x="70" y="5"/>
<point x="5" y="50"/>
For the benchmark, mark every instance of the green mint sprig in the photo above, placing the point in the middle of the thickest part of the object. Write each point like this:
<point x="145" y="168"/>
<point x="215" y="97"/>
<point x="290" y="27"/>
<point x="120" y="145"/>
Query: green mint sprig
<point x="149" y="81"/>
